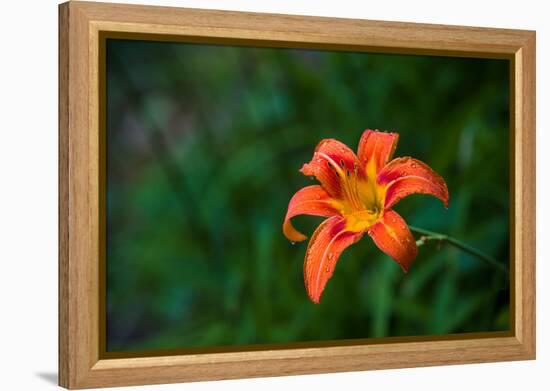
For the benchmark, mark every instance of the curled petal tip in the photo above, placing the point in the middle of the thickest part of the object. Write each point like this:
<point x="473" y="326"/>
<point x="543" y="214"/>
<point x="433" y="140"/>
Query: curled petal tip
<point x="293" y="235"/>
<point x="310" y="200"/>
<point x="444" y="197"/>
<point x="314" y="295"/>
<point x="315" y="299"/>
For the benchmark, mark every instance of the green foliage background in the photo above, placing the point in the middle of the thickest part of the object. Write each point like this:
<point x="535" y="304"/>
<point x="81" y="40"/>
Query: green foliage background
<point x="204" y="144"/>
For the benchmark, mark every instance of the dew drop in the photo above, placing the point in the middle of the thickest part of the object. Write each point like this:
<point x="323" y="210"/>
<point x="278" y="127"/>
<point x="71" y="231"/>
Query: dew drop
<point x="327" y="269"/>
<point x="293" y="243"/>
<point x="330" y="256"/>
<point x="413" y="165"/>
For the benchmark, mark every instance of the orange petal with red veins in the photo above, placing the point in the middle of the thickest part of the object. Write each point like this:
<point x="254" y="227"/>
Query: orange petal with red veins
<point x="376" y="146"/>
<point x="311" y="200"/>
<point x="404" y="176"/>
<point x="392" y="235"/>
<point x="325" y="247"/>
<point x="330" y="164"/>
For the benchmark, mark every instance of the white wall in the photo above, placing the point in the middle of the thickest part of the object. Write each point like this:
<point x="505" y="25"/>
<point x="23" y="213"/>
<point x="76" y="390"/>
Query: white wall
<point x="28" y="193"/>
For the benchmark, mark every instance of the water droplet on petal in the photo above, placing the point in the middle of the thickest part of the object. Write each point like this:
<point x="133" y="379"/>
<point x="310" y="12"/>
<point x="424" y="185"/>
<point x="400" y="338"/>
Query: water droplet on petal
<point x="293" y="243"/>
<point x="330" y="256"/>
<point x="327" y="269"/>
<point x="413" y="165"/>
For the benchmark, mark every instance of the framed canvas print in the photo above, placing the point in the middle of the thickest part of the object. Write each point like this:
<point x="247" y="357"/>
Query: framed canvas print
<point x="247" y="195"/>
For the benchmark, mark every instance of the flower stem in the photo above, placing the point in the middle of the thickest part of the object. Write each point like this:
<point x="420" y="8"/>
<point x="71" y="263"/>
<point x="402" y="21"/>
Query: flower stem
<point x="430" y="235"/>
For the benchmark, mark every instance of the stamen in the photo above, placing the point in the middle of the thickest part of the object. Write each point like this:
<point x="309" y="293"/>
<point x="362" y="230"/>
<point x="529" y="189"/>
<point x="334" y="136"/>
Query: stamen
<point x="356" y="188"/>
<point x="349" y="183"/>
<point x="332" y="163"/>
<point x="353" y="189"/>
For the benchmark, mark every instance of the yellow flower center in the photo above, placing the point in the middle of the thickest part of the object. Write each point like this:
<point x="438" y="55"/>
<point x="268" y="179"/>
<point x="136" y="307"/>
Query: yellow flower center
<point x="362" y="200"/>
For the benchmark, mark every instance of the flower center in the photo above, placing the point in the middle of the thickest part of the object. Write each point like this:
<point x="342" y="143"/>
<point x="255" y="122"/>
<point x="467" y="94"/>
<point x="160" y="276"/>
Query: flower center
<point x="363" y="198"/>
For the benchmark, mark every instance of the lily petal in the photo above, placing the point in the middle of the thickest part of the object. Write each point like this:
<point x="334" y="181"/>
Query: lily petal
<point x="377" y="147"/>
<point x="328" y="242"/>
<point x="392" y="235"/>
<point x="330" y="164"/>
<point x="311" y="200"/>
<point x="404" y="176"/>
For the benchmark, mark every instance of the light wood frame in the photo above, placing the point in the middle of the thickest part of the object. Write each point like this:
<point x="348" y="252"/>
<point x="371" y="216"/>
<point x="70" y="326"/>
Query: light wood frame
<point x="80" y="26"/>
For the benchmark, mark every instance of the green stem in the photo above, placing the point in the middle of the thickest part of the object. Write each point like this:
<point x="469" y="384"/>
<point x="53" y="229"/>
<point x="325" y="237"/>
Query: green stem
<point x="430" y="235"/>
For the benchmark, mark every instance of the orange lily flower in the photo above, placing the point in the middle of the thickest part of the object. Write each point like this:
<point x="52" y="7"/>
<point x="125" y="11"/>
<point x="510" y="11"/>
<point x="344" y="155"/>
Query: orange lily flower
<point x="357" y="193"/>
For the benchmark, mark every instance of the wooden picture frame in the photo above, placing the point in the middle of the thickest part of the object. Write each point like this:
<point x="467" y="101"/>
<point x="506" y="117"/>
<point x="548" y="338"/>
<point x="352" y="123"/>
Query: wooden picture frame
<point x="81" y="25"/>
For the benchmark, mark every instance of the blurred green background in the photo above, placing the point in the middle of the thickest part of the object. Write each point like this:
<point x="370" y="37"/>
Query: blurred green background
<point x="204" y="144"/>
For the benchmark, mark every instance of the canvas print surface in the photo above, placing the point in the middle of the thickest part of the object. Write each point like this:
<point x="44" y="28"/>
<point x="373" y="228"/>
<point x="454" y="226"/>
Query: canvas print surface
<point x="282" y="196"/>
